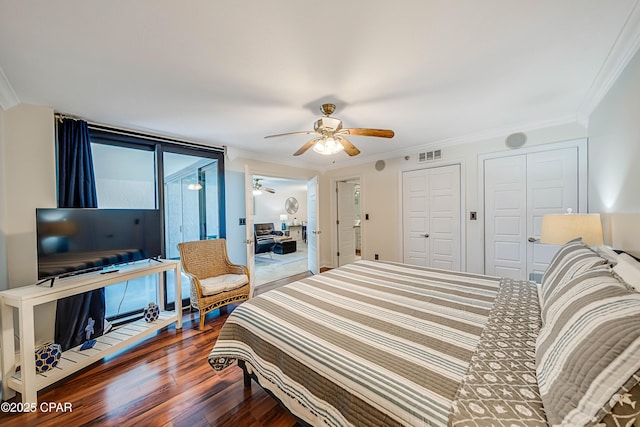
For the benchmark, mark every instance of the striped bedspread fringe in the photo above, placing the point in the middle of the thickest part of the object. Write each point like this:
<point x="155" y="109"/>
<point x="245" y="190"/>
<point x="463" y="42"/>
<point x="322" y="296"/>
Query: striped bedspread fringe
<point x="367" y="344"/>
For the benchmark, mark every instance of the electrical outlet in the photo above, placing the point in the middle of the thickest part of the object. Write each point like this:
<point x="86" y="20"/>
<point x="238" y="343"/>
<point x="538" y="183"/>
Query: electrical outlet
<point x="366" y="216"/>
<point x="243" y="221"/>
<point x="473" y="216"/>
<point x="375" y="256"/>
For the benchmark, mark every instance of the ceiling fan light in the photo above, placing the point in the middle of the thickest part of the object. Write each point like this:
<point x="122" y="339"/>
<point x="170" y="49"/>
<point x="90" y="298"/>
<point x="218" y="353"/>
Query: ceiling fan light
<point x="256" y="192"/>
<point x="327" y="146"/>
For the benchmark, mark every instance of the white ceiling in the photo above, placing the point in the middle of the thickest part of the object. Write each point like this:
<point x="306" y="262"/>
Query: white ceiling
<point x="229" y="73"/>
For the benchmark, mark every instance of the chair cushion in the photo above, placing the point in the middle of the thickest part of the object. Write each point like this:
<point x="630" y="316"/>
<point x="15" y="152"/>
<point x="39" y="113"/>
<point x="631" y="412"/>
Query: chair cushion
<point x="222" y="283"/>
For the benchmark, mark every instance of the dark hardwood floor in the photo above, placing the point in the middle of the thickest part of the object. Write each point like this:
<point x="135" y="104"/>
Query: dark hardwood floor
<point x="164" y="380"/>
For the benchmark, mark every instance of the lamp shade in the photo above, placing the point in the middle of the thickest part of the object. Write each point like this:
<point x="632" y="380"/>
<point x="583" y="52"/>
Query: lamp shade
<point x="559" y="229"/>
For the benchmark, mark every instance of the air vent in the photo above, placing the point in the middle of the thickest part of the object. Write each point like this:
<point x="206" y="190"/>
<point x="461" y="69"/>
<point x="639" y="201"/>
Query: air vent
<point x="429" y="156"/>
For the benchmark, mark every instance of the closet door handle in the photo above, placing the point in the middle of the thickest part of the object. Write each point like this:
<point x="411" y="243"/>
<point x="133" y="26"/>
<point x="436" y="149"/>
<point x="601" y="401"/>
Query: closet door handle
<point x="426" y="235"/>
<point x="533" y="239"/>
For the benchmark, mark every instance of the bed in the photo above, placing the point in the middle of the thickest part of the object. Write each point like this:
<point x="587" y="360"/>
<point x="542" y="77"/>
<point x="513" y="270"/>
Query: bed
<point x="382" y="343"/>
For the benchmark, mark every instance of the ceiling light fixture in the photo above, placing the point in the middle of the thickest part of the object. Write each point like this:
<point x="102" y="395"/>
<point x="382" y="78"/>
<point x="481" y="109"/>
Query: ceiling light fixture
<point x="194" y="186"/>
<point x="328" y="146"/>
<point x="256" y="192"/>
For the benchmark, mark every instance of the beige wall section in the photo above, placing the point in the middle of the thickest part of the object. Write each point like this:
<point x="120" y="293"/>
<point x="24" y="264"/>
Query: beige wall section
<point x="4" y="279"/>
<point x="614" y="155"/>
<point x="30" y="181"/>
<point x="382" y="198"/>
<point x="30" y="174"/>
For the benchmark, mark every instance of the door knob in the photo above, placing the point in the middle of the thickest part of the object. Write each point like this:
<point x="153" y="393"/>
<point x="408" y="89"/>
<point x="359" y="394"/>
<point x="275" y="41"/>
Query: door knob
<point x="533" y="239"/>
<point x="426" y="235"/>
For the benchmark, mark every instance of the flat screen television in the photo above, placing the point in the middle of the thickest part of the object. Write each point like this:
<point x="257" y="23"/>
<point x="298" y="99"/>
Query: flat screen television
<point x="72" y="241"/>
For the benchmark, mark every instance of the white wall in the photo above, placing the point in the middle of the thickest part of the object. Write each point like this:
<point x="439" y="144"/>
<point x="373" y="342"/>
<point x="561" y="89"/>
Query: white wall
<point x="381" y="197"/>
<point x="235" y="209"/>
<point x="614" y="156"/>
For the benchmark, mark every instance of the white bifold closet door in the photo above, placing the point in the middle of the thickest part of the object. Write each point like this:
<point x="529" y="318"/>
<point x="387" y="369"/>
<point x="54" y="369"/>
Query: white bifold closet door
<point x="346" y="223"/>
<point x="518" y="191"/>
<point x="431" y="217"/>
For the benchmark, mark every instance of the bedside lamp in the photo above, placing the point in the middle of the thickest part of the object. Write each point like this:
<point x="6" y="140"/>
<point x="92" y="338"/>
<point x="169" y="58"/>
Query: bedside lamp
<point x="558" y="229"/>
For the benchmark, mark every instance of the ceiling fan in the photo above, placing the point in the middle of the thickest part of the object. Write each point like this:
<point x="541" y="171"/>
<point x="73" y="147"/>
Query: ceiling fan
<point x="259" y="188"/>
<point x="330" y="137"/>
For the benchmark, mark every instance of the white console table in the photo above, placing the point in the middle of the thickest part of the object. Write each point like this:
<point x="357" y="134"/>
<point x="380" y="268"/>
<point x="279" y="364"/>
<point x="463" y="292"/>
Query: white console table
<point x="24" y="299"/>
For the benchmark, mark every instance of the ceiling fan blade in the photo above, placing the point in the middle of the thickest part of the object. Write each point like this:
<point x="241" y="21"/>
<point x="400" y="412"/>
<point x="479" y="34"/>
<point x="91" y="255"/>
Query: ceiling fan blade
<point x="349" y="148"/>
<point x="269" y="190"/>
<point x="381" y="133"/>
<point x="306" y="146"/>
<point x="303" y="132"/>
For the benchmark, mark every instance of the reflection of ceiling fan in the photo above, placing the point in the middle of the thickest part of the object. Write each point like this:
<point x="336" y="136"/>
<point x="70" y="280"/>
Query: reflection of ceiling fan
<point x="331" y="135"/>
<point x="258" y="188"/>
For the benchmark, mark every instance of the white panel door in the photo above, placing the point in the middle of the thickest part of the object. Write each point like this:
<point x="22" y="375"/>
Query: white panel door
<point x="346" y="223"/>
<point x="552" y="187"/>
<point x="415" y="217"/>
<point x="313" y="241"/>
<point x="518" y="191"/>
<point x="505" y="181"/>
<point x="444" y="218"/>
<point x="431" y="212"/>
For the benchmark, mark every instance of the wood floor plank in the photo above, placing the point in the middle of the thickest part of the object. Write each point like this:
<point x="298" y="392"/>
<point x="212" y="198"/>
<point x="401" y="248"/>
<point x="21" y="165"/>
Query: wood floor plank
<point x="164" y="380"/>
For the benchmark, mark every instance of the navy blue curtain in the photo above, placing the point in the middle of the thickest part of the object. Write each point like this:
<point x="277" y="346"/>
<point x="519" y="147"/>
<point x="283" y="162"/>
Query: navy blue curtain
<point x="77" y="189"/>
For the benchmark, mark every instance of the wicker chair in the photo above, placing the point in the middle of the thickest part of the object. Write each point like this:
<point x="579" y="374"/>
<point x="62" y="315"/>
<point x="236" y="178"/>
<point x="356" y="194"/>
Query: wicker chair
<point x="215" y="282"/>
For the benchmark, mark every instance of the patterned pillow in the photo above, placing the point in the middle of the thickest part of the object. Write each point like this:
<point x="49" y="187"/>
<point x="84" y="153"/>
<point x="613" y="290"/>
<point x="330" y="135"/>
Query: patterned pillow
<point x="626" y="411"/>
<point x="572" y="259"/>
<point x="588" y="352"/>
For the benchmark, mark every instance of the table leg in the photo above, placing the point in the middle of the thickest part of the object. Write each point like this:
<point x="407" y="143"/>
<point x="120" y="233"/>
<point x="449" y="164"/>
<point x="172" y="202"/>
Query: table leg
<point x="8" y="349"/>
<point x="27" y="355"/>
<point x="178" y="305"/>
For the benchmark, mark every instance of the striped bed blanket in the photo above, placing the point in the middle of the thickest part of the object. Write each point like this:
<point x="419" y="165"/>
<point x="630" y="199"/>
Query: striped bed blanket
<point x="370" y="344"/>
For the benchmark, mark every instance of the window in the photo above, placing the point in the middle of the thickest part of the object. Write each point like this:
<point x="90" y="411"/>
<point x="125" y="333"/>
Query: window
<point x="191" y="204"/>
<point x="186" y="183"/>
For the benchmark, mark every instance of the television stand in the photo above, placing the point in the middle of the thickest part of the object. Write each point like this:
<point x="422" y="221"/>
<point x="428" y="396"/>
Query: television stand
<point x="26" y="298"/>
<point x="50" y="279"/>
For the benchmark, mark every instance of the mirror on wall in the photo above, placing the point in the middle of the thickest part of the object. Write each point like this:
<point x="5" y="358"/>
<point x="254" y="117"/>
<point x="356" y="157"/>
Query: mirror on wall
<point x="291" y="205"/>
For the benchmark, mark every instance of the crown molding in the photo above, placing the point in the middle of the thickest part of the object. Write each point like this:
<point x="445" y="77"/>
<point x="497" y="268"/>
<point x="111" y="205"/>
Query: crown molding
<point x="479" y="136"/>
<point x="624" y="48"/>
<point x="8" y="97"/>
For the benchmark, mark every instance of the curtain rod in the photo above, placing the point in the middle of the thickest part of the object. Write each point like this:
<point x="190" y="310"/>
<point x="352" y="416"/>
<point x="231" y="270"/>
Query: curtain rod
<point x="149" y="136"/>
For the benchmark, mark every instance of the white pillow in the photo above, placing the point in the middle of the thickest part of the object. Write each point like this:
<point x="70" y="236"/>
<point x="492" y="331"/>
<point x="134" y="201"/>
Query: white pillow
<point x="629" y="270"/>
